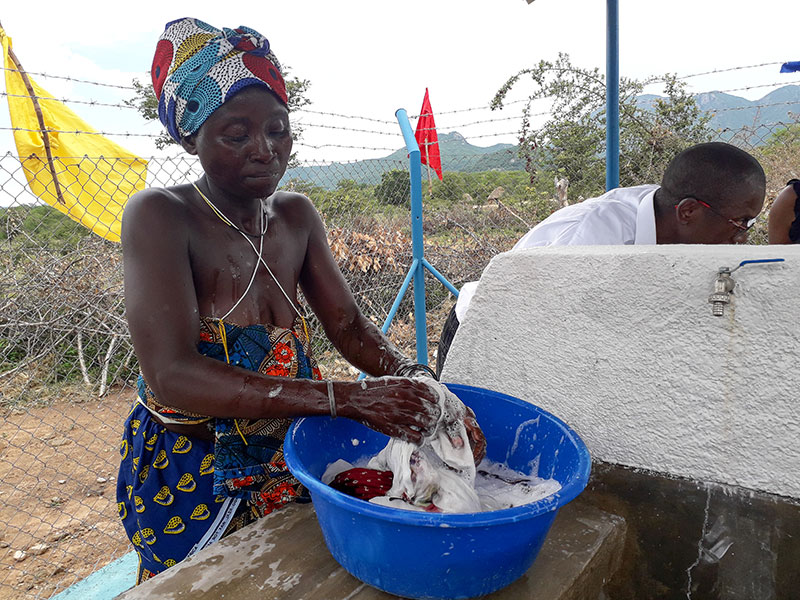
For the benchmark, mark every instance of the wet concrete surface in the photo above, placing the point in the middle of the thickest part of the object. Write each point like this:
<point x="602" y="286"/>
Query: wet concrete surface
<point x="284" y="556"/>
<point x="688" y="539"/>
<point x="632" y="535"/>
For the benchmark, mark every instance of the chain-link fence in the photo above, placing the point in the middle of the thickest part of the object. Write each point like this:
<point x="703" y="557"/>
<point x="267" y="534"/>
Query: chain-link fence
<point x="67" y="367"/>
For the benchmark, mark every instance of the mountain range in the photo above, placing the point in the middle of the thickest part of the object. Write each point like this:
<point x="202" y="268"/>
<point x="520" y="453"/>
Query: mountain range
<point x="729" y="115"/>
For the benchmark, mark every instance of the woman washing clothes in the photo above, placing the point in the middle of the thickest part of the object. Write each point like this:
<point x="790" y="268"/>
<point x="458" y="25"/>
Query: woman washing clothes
<point x="212" y="269"/>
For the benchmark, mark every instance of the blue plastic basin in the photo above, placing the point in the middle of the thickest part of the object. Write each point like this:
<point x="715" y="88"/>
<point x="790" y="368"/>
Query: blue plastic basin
<point x="437" y="556"/>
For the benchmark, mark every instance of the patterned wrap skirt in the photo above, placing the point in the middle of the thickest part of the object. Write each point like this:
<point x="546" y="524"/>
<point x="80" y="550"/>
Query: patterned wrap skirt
<point x="178" y="494"/>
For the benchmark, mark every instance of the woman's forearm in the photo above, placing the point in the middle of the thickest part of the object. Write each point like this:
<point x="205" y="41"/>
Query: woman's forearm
<point x="364" y="346"/>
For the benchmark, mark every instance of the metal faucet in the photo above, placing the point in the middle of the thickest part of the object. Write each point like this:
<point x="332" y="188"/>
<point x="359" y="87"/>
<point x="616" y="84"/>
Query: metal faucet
<point x="723" y="287"/>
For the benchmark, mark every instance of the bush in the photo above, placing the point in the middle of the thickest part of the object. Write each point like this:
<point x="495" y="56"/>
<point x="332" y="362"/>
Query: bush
<point x="41" y="226"/>
<point x="394" y="188"/>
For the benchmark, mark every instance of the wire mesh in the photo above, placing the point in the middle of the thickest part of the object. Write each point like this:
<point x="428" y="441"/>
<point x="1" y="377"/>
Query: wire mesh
<point x="67" y="366"/>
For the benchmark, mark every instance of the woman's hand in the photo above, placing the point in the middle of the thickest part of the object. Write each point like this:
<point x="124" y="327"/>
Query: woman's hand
<point x="397" y="406"/>
<point x="404" y="408"/>
<point x="475" y="437"/>
<point x="477" y="441"/>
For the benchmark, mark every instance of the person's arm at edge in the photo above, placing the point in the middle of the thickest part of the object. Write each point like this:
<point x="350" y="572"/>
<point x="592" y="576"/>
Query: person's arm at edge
<point x="781" y="216"/>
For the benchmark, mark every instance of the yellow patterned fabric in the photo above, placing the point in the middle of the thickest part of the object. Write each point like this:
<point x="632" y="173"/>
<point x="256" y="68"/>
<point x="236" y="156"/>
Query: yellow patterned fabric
<point x="177" y="494"/>
<point x="90" y="177"/>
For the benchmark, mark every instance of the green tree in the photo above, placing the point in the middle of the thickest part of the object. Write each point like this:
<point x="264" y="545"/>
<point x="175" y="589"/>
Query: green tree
<point x="785" y="142"/>
<point x="394" y="188"/>
<point x="348" y="199"/>
<point x="144" y="100"/>
<point x="571" y="142"/>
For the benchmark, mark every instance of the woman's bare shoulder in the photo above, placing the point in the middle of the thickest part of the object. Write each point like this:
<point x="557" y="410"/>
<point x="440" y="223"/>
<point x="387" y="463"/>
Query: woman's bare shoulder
<point x="294" y="207"/>
<point x="158" y="198"/>
<point x="157" y="214"/>
<point x="286" y="199"/>
<point x="161" y="202"/>
<point x="785" y="200"/>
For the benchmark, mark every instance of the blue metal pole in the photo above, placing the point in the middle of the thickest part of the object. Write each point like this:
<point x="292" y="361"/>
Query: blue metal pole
<point x="415" y="171"/>
<point x="452" y="289"/>
<point x="399" y="298"/>
<point x="612" y="94"/>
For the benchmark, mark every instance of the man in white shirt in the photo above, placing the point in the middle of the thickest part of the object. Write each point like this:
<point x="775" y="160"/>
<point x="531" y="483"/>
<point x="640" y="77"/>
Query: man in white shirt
<point x="710" y="194"/>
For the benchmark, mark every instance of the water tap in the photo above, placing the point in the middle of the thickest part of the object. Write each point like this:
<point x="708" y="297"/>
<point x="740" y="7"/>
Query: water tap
<point x="723" y="287"/>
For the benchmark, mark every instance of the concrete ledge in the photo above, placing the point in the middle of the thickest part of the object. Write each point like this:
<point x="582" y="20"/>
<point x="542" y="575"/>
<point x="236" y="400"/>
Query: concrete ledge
<point x="284" y="556"/>
<point x="621" y="343"/>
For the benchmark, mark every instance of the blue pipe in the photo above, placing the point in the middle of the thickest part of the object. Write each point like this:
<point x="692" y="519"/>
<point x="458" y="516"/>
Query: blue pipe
<point x="399" y="298"/>
<point x="451" y="288"/>
<point x="612" y="94"/>
<point x="418" y="264"/>
<point x="415" y="171"/>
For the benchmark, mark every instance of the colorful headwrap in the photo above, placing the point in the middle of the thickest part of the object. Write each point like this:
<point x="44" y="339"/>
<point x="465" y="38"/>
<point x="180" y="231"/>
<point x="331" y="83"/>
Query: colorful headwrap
<point x="198" y="67"/>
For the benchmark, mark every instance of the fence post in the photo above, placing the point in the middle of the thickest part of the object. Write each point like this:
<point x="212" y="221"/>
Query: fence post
<point x="415" y="172"/>
<point x="612" y="94"/>
<point x="418" y="263"/>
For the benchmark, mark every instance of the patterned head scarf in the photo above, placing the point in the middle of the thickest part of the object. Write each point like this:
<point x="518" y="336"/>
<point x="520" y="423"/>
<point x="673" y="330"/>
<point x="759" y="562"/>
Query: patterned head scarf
<point x="198" y="67"/>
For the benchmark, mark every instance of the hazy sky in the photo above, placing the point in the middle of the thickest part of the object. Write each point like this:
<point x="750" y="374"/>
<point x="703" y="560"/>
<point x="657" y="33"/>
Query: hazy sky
<point x="368" y="58"/>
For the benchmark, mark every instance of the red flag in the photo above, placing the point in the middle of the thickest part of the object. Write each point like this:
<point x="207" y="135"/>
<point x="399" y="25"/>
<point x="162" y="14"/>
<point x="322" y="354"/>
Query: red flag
<point x="427" y="139"/>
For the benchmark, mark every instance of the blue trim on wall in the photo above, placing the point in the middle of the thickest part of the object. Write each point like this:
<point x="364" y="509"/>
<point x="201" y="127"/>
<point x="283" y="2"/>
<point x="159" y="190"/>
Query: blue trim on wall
<point x="106" y="583"/>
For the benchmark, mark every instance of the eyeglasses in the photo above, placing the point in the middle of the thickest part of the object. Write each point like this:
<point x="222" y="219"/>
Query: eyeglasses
<point x="743" y="225"/>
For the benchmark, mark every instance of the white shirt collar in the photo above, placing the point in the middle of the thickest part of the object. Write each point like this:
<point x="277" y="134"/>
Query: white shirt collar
<point x="646" y="221"/>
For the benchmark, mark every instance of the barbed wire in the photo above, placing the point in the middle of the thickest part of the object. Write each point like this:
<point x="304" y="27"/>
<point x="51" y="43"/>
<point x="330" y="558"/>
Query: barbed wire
<point x="463" y="110"/>
<point x="69" y="101"/>
<point x="750" y="128"/>
<point x="320" y="146"/>
<point x="78" y="132"/>
<point x="483" y="122"/>
<point x="112" y="85"/>
<point x="321" y="126"/>
<point x="754" y="106"/>
<point x="445" y="128"/>
<point x="331" y="114"/>
<point x="402" y="162"/>
<point x="299" y="142"/>
<point x="727" y="70"/>
<point x="753" y="87"/>
<point x="442" y="129"/>
<point x="383" y="121"/>
<point x="485" y="135"/>
<point x="12" y="155"/>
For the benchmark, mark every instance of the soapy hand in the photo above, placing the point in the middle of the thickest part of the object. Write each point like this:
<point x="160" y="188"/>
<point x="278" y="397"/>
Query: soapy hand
<point x="397" y="406"/>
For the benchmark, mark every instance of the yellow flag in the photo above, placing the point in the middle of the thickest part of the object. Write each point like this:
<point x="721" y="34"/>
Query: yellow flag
<point x="87" y="177"/>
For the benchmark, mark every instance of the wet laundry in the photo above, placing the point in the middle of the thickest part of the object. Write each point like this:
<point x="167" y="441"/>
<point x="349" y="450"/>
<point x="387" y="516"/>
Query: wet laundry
<point x="439" y="475"/>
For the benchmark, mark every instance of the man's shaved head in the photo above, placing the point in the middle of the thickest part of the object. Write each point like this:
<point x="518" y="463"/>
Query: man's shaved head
<point x="714" y="171"/>
<point x="709" y="195"/>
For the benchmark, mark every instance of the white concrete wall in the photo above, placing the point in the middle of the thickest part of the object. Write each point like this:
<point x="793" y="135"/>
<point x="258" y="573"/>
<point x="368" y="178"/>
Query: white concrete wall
<point x="620" y="342"/>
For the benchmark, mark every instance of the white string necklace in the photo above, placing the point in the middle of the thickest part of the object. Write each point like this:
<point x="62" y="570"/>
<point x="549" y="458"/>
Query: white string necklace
<point x="259" y="254"/>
